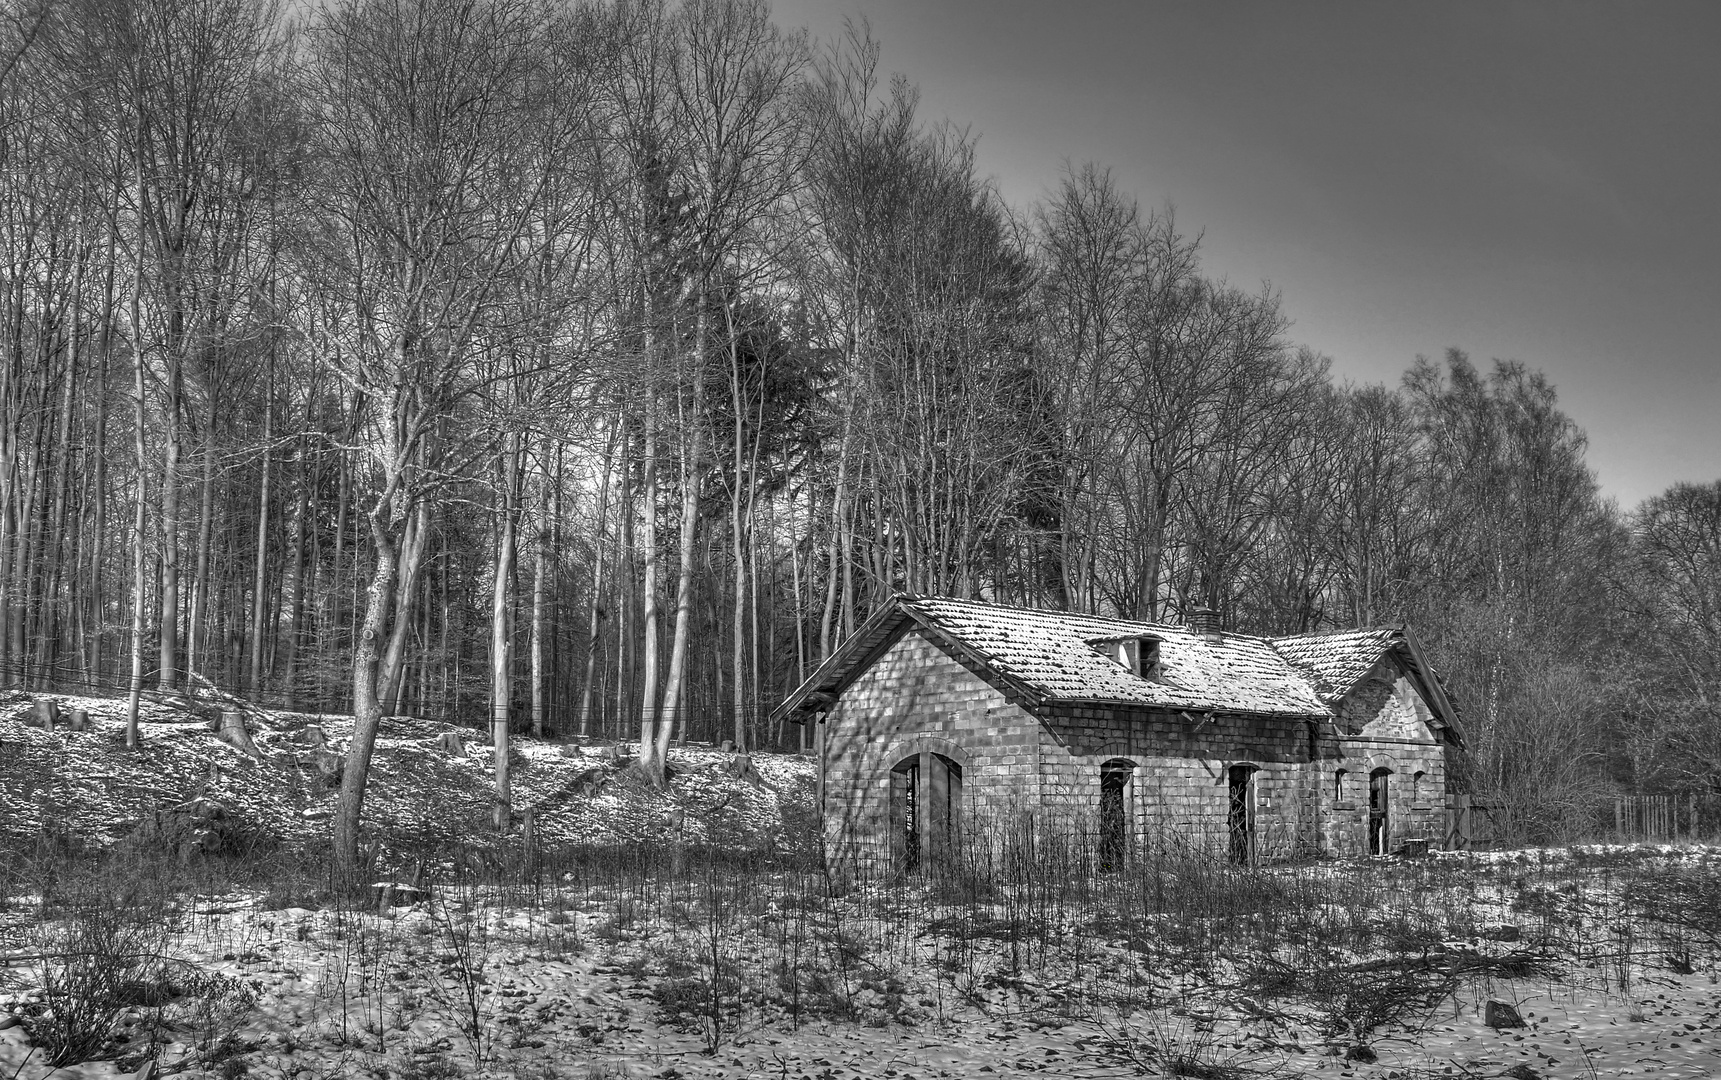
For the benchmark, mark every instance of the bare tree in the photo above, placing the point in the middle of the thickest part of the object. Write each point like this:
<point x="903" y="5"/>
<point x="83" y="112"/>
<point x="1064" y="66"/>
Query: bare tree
<point x="427" y="192"/>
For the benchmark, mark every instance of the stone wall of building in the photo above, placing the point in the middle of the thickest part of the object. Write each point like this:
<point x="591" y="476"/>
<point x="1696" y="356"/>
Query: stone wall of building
<point x="915" y="698"/>
<point x="1386" y="726"/>
<point x="1310" y="789"/>
<point x="1179" y="790"/>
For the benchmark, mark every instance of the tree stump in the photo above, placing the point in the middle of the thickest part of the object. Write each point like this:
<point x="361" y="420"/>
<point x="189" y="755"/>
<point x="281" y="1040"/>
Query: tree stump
<point x="740" y="767"/>
<point x="47" y="712"/>
<point x="232" y="732"/>
<point x="612" y="754"/>
<point x="452" y="743"/>
<point x="727" y="746"/>
<point x="315" y="739"/>
<point x="79" y="720"/>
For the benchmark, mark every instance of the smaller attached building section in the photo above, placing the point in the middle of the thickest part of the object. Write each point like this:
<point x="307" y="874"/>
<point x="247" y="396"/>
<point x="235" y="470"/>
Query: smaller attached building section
<point x="1395" y="740"/>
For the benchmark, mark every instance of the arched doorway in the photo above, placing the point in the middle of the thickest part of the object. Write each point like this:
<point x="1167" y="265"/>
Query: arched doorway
<point x="1240" y="816"/>
<point x="1115" y="815"/>
<point x="925" y="807"/>
<point x="1379" y="812"/>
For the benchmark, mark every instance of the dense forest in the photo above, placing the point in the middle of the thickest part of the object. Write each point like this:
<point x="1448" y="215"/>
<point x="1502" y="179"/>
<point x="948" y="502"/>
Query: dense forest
<point x="596" y="368"/>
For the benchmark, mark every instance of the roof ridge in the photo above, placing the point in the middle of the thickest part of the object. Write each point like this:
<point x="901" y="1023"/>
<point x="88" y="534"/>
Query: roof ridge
<point x="1374" y="629"/>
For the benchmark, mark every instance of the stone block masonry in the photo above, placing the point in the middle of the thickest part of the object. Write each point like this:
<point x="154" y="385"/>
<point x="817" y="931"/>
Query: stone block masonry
<point x="1308" y="790"/>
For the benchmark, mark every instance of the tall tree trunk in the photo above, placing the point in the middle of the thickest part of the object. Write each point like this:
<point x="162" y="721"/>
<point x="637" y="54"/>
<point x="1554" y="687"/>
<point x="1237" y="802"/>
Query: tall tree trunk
<point x="294" y="587"/>
<point x="392" y="671"/>
<point x="196" y="630"/>
<point x="649" y="759"/>
<point x="138" y="563"/>
<point x="169" y="677"/>
<point x="367" y="707"/>
<point x="540" y="570"/>
<point x="675" y="691"/>
<point x="260" y="580"/>
<point x="594" y="623"/>
<point x="501" y="670"/>
<point x="738" y="533"/>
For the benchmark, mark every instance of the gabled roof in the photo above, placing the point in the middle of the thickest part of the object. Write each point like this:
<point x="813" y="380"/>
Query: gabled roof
<point x="1050" y="656"/>
<point x="1334" y="663"/>
<point x="1053" y="652"/>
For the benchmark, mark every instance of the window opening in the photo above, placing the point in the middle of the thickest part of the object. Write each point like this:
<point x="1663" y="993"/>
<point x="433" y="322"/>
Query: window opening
<point x="1140" y="656"/>
<point x="952" y="777"/>
<point x="1339" y="786"/>
<point x="905" y="812"/>
<point x="1114" y="813"/>
<point x="1240" y="820"/>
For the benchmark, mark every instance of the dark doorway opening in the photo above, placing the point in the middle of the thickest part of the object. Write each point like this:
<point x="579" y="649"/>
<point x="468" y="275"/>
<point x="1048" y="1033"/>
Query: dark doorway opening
<point x="1114" y="813"/>
<point x="1379" y="819"/>
<point x="905" y="813"/>
<point x="925" y="809"/>
<point x="1240" y="820"/>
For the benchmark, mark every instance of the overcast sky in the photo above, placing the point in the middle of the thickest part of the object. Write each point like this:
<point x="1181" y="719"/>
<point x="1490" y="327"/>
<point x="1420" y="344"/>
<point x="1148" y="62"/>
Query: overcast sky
<point x="1538" y="182"/>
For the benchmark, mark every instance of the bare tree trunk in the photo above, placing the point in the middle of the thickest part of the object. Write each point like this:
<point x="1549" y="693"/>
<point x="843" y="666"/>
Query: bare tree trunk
<point x="738" y="533"/>
<point x="168" y="677"/>
<point x="627" y="673"/>
<point x="540" y="570"/>
<point x="675" y="690"/>
<point x="138" y="564"/>
<point x="595" y="622"/>
<point x="260" y="580"/>
<point x="649" y="760"/>
<point x="692" y="426"/>
<point x="294" y="587"/>
<point x="392" y="673"/>
<point x="501" y="669"/>
<point x="367" y="707"/>
<point x="195" y="631"/>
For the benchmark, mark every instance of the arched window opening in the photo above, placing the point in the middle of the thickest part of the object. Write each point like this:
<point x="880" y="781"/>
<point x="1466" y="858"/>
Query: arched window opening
<point x="1416" y="786"/>
<point x="1379" y="813"/>
<point x="1115" y="776"/>
<point x="1339" y="785"/>
<point x="905" y="813"/>
<point x="1240" y="819"/>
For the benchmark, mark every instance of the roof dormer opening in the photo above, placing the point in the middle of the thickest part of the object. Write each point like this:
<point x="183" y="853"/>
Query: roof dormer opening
<point x="1139" y="655"/>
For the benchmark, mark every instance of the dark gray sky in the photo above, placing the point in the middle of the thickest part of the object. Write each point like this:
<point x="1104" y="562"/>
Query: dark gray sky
<point x="1537" y="182"/>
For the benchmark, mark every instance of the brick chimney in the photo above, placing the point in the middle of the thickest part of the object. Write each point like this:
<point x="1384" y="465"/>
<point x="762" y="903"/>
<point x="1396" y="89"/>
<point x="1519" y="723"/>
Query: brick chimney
<point x="1205" y="621"/>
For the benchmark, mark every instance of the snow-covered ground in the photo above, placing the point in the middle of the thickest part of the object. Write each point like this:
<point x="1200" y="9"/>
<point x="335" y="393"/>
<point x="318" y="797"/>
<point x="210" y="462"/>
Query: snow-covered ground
<point x="86" y="789"/>
<point x="725" y="973"/>
<point x="733" y="961"/>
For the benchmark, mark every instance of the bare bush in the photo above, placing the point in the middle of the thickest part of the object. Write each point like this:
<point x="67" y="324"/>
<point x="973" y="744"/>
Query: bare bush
<point x="103" y="935"/>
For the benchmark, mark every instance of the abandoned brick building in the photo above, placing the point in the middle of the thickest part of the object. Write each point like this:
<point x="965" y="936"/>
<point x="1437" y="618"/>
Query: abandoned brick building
<point x="939" y="715"/>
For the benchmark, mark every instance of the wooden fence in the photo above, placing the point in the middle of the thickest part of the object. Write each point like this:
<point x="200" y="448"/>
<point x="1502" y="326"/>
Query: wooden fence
<point x="1664" y="818"/>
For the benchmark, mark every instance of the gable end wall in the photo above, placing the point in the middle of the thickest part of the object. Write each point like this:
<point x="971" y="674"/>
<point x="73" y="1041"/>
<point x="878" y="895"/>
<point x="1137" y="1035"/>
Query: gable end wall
<point x="1386" y="725"/>
<point x="916" y="695"/>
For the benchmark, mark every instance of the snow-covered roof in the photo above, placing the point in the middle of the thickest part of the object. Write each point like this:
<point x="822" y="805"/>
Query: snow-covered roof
<point x="1053" y="653"/>
<point x="1334" y="663"/>
<point x="1050" y="657"/>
